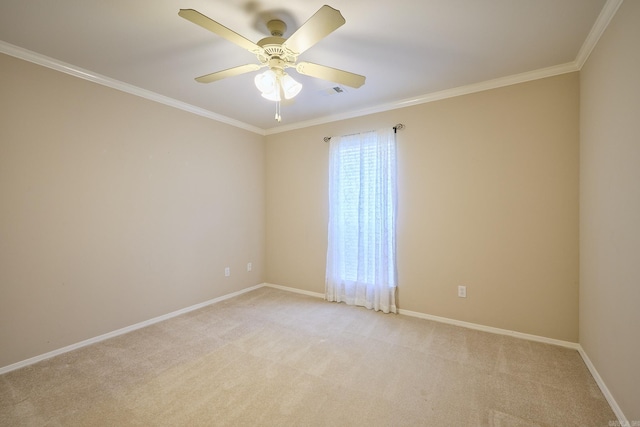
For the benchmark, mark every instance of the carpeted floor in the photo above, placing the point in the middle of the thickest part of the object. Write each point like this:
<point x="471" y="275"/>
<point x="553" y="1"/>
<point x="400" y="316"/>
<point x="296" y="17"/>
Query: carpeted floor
<point x="275" y="358"/>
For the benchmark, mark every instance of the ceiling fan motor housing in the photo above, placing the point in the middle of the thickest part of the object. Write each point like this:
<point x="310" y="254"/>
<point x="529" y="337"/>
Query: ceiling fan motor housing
<point x="273" y="48"/>
<point x="274" y="52"/>
<point x="276" y="27"/>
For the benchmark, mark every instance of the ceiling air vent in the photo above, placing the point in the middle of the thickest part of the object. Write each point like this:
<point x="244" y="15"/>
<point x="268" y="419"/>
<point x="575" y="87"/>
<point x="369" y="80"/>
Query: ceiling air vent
<point x="333" y="90"/>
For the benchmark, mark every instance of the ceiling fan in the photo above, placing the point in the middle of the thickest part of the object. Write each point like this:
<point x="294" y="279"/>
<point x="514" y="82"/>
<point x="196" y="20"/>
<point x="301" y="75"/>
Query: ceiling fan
<point x="278" y="54"/>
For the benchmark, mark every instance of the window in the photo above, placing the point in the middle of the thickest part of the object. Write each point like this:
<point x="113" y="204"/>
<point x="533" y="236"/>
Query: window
<point x="361" y="260"/>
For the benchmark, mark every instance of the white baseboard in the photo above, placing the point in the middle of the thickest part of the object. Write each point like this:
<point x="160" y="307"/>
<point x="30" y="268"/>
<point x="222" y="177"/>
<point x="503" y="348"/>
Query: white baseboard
<point x="294" y="290"/>
<point x="576" y="346"/>
<point x="468" y="325"/>
<point x="614" y="405"/>
<point x="623" y="422"/>
<point x="121" y="331"/>
<point x="491" y="329"/>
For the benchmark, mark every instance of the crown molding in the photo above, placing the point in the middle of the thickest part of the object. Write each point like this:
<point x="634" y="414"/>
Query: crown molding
<point x="72" y="70"/>
<point x="608" y="11"/>
<point x="602" y="22"/>
<point x="555" y="70"/>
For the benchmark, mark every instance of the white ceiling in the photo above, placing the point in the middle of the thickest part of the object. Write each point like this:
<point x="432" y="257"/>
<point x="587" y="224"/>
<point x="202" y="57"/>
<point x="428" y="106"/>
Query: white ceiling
<point x="407" y="49"/>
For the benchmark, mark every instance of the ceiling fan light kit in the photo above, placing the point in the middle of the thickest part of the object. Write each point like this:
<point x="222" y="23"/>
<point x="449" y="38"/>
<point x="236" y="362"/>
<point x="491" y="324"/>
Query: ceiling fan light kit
<point x="277" y="53"/>
<point x="275" y="84"/>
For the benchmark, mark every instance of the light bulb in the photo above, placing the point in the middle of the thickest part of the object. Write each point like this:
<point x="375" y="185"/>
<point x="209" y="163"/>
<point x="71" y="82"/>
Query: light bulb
<point x="271" y="96"/>
<point x="290" y="87"/>
<point x="267" y="83"/>
<point x="271" y="83"/>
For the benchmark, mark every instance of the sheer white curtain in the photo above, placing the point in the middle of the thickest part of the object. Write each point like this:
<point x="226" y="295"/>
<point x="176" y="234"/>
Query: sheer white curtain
<point x="361" y="256"/>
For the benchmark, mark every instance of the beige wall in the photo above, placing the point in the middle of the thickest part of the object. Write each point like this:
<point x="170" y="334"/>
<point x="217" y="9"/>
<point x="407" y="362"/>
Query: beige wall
<point x="610" y="208"/>
<point x="488" y="198"/>
<point x="115" y="209"/>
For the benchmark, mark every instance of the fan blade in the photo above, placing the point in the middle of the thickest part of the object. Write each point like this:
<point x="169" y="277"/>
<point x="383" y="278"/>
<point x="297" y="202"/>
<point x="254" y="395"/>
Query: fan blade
<point x="219" y="29"/>
<point x="325" y="21"/>
<point x="330" y="74"/>
<point x="230" y="72"/>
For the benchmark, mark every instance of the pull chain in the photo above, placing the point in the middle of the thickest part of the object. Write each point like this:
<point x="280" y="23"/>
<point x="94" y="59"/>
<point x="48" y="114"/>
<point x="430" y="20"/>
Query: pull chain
<point x="278" y="116"/>
<point x="280" y="96"/>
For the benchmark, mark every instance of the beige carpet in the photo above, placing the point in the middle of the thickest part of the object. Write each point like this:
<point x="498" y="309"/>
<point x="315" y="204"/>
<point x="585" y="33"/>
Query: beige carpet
<point x="275" y="358"/>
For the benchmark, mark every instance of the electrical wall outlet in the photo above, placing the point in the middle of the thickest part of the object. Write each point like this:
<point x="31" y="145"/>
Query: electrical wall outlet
<point x="462" y="291"/>
<point x="249" y="266"/>
<point x="227" y="272"/>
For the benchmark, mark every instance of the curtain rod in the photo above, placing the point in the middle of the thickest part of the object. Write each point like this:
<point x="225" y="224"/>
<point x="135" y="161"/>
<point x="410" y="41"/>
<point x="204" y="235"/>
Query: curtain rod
<point x="396" y="128"/>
